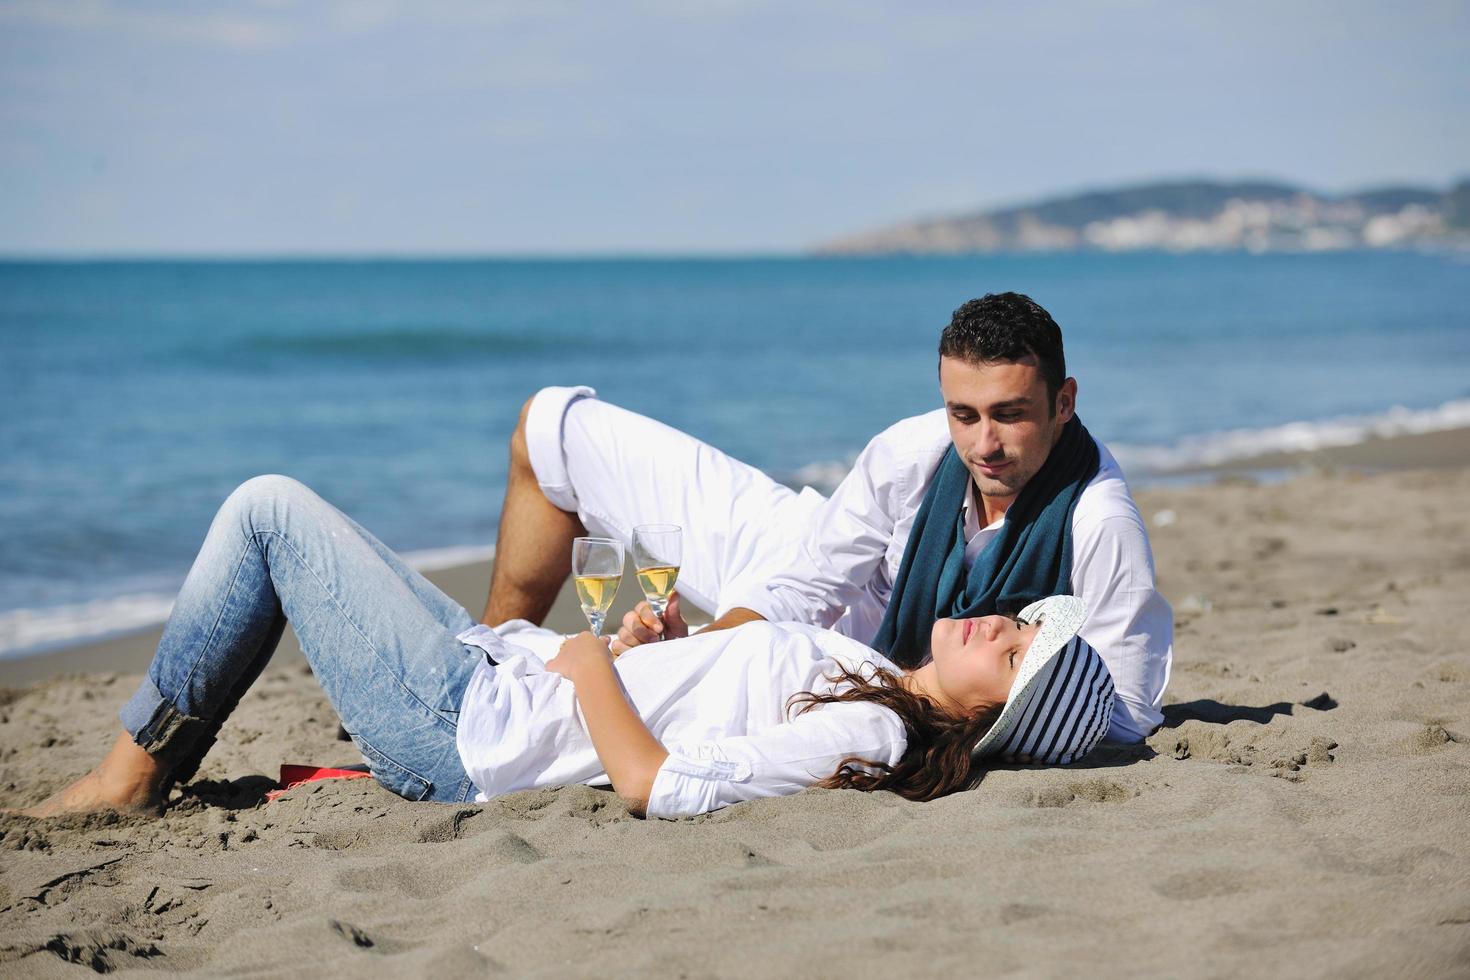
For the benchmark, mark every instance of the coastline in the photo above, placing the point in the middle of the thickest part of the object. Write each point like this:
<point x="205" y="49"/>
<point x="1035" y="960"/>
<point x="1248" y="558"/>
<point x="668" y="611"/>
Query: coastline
<point x="1442" y="449"/>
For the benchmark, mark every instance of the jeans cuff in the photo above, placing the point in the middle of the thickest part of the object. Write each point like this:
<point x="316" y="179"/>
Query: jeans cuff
<point x="159" y="728"/>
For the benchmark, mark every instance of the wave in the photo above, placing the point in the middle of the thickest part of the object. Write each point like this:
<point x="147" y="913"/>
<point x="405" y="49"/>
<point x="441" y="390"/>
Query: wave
<point x="437" y="559"/>
<point x="427" y="343"/>
<point x="822" y="476"/>
<point x="1215" y="448"/>
<point x="28" y="631"/>
<point x="25" y="632"/>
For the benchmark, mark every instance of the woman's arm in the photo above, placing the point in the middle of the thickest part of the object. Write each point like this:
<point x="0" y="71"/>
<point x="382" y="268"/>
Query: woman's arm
<point x="627" y="749"/>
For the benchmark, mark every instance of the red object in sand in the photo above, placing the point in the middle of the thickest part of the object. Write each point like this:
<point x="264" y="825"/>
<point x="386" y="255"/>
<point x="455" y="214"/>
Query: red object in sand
<point x="293" y="776"/>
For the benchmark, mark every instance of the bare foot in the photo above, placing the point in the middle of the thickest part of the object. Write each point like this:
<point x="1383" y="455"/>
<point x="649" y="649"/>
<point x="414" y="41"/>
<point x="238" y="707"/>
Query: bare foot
<point x="96" y="792"/>
<point x="129" y="781"/>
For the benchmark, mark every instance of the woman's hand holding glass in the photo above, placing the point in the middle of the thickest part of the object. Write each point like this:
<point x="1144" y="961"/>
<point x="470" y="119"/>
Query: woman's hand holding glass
<point x="579" y="653"/>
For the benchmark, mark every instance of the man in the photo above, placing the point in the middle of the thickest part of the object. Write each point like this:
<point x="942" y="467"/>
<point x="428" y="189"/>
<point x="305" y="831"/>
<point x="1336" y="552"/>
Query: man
<point x="996" y="499"/>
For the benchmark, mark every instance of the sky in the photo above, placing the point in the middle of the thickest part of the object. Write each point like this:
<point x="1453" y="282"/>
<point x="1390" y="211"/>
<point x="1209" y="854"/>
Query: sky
<point x="375" y="127"/>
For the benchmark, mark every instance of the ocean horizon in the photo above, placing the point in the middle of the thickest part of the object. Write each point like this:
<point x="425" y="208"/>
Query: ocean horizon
<point x="136" y="393"/>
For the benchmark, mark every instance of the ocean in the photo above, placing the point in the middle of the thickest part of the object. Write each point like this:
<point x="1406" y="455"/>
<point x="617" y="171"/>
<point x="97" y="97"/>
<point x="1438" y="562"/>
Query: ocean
<point x="134" y="396"/>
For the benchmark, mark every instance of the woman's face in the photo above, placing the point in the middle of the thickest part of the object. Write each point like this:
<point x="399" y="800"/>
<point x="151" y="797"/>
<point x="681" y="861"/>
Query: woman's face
<point x="976" y="660"/>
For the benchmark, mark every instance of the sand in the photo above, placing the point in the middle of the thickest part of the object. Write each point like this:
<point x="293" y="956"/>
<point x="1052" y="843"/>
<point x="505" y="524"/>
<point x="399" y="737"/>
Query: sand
<point x="1304" y="811"/>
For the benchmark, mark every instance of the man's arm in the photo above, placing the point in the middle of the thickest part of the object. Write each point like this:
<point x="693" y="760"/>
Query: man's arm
<point x="734" y="617"/>
<point x="627" y="749"/>
<point x="830" y="563"/>
<point x="641" y="625"/>
<point x="1129" y="622"/>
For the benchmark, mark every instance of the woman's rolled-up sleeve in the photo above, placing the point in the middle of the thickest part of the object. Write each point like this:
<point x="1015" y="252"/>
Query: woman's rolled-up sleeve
<point x="698" y="777"/>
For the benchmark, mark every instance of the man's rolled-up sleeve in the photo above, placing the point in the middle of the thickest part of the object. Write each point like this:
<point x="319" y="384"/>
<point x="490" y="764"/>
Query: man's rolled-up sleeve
<point x="1129" y="622"/>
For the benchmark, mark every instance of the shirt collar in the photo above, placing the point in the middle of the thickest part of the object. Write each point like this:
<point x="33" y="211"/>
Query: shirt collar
<point x="972" y="513"/>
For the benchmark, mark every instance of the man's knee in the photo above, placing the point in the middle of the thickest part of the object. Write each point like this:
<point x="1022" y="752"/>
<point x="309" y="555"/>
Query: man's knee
<point x="520" y="449"/>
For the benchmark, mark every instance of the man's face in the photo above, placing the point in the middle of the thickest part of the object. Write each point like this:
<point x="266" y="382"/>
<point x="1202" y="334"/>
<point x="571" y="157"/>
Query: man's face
<point x="1002" y="423"/>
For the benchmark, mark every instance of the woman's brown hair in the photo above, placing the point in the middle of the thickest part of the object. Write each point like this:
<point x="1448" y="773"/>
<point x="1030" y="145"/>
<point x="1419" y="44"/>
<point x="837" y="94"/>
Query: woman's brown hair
<point x="936" y="760"/>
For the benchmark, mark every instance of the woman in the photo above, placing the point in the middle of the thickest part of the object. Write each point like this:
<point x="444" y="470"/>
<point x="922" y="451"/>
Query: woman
<point x="445" y="710"/>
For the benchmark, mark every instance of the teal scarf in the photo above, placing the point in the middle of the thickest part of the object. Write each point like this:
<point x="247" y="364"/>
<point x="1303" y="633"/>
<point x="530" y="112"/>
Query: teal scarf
<point x="1030" y="559"/>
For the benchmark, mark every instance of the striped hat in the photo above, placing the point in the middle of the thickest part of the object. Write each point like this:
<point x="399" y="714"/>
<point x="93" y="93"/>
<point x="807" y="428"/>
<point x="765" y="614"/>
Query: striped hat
<point x="1062" y="698"/>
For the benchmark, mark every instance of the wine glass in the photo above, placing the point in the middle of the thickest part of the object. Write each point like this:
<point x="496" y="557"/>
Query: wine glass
<point x="657" y="551"/>
<point x="597" y="567"/>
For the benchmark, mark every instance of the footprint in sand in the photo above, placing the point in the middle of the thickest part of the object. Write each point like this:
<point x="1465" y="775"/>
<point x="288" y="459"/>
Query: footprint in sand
<point x="1431" y="738"/>
<point x="23" y="834"/>
<point x="102" y="950"/>
<point x="338" y="840"/>
<point x="352" y="934"/>
<point x="596" y="806"/>
<point x="510" y="848"/>
<point x="1084" y="791"/>
<point x="1261" y="746"/>
<point x="415" y="881"/>
<point x="361" y="939"/>
<point x="49" y="889"/>
<point x="746" y="856"/>
<point x="1020" y="912"/>
<point x="1204" y="883"/>
<point x="449" y="827"/>
<point x="462" y="961"/>
<point x="531" y="804"/>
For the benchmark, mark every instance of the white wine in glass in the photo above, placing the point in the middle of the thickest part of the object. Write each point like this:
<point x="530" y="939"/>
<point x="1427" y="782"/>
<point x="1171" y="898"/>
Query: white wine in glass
<point x="657" y="552"/>
<point x="597" y="568"/>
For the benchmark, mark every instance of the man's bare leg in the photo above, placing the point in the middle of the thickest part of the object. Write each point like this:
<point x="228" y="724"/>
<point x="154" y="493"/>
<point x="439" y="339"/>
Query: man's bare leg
<point x="129" y="780"/>
<point x="533" y="549"/>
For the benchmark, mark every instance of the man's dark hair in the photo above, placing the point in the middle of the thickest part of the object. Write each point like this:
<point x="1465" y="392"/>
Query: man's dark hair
<point x="1007" y="327"/>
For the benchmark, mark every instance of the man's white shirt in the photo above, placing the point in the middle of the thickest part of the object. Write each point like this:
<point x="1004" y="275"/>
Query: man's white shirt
<point x="840" y="572"/>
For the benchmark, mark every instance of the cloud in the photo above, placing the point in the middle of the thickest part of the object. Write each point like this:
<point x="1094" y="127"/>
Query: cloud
<point x="186" y="25"/>
<point x="253" y="24"/>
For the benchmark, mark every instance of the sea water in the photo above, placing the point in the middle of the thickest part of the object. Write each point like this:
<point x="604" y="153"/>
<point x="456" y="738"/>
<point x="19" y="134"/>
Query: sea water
<point x="134" y="396"/>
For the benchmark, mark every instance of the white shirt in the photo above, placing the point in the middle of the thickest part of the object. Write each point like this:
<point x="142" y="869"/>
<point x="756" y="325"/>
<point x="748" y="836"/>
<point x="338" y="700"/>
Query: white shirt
<point x="842" y="570"/>
<point x="717" y="702"/>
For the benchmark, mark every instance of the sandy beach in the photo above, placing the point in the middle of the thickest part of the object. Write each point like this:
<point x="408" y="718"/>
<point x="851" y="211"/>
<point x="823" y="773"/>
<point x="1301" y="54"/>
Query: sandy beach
<point x="1304" y="811"/>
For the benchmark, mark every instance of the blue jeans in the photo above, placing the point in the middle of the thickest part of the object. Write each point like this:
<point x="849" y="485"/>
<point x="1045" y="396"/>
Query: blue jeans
<point x="379" y="636"/>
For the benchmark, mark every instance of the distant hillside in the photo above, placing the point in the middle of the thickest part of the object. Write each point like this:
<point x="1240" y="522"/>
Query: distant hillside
<point x="1258" y="216"/>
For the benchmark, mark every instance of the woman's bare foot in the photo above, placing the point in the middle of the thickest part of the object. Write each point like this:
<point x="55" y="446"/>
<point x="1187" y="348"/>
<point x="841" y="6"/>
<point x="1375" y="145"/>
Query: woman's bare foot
<point x="128" y="781"/>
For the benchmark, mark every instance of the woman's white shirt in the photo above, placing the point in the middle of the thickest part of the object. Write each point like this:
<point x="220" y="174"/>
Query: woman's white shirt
<point x="716" y="701"/>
